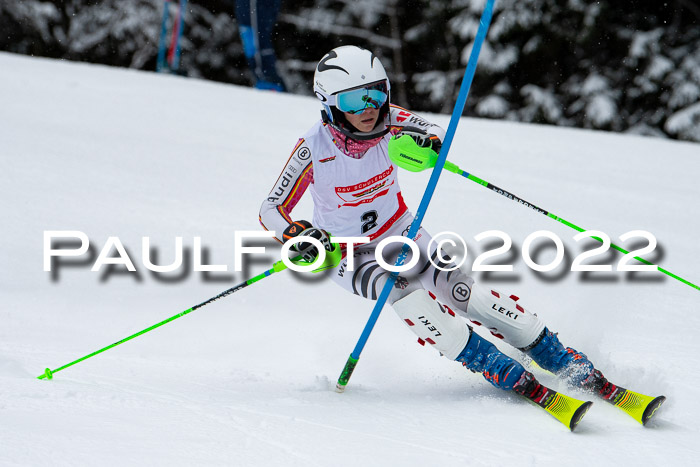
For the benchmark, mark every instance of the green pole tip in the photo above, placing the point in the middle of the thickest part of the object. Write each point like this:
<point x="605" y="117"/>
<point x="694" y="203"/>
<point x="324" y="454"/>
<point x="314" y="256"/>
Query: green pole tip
<point x="48" y="374"/>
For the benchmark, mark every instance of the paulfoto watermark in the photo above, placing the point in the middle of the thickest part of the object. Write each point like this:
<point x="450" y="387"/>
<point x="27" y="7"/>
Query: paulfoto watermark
<point x="446" y="251"/>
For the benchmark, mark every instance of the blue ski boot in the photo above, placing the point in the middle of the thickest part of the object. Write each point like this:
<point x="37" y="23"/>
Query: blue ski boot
<point x="482" y="356"/>
<point x="505" y="373"/>
<point x="551" y="355"/>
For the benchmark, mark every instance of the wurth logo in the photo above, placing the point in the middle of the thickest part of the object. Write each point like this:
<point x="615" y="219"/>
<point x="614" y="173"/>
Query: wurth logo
<point x="419" y="121"/>
<point x="402" y="116"/>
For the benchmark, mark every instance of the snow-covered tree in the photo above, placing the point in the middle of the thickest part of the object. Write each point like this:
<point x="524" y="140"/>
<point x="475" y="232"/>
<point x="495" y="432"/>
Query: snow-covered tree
<point x="623" y="65"/>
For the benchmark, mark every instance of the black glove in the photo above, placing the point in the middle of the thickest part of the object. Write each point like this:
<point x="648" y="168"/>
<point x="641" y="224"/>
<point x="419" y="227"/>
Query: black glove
<point x="294" y="229"/>
<point x="307" y="250"/>
<point x="421" y="137"/>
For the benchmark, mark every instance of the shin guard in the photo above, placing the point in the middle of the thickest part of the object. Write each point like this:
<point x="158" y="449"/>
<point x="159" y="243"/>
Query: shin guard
<point x="433" y="323"/>
<point x="503" y="316"/>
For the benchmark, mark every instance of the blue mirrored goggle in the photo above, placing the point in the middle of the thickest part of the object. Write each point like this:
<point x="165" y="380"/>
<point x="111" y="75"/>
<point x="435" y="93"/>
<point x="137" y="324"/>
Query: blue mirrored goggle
<point x="358" y="100"/>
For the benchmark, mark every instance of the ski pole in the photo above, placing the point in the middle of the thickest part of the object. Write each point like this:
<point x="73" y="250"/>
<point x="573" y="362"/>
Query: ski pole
<point x="277" y="267"/>
<point x="425" y="201"/>
<point x="455" y="169"/>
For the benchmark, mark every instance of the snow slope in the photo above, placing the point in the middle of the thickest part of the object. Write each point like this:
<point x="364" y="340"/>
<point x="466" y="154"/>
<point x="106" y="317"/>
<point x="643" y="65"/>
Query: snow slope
<point x="248" y="379"/>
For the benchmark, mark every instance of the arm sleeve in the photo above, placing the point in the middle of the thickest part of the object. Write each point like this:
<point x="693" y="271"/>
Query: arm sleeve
<point x="401" y="117"/>
<point x="296" y="176"/>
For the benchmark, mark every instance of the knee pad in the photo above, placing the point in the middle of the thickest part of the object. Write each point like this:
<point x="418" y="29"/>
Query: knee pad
<point x="453" y="288"/>
<point x="433" y="323"/>
<point x="503" y="316"/>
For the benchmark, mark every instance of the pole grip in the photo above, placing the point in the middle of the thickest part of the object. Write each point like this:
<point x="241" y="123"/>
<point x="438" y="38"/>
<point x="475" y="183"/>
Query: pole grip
<point x="279" y="266"/>
<point x="346" y="373"/>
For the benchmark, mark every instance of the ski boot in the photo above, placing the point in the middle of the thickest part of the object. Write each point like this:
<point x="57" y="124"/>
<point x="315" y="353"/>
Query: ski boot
<point x="551" y="355"/>
<point x="505" y="373"/>
<point x="579" y="372"/>
<point x="481" y="356"/>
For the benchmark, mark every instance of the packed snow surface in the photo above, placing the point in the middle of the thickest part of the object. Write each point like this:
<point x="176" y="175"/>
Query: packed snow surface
<point x="248" y="380"/>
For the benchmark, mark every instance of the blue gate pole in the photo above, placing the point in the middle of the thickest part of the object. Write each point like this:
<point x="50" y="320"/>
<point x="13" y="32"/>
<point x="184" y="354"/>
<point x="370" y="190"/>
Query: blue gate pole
<point x="427" y="196"/>
<point x="162" y="46"/>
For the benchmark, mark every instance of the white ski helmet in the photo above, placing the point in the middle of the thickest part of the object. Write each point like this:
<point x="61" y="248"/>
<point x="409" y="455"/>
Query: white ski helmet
<point x="352" y="68"/>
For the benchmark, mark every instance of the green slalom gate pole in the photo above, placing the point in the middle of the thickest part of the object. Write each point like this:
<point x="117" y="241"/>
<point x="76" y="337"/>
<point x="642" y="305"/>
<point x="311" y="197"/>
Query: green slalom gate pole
<point x="449" y="166"/>
<point x="277" y="267"/>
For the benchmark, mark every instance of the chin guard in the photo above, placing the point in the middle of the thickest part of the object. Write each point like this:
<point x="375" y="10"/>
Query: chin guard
<point x="381" y="129"/>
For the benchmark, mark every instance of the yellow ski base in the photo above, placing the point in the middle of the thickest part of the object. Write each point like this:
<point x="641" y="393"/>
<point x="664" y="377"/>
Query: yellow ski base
<point x="638" y="406"/>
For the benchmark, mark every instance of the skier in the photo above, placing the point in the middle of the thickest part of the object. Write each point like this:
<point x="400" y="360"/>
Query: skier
<point x="345" y="161"/>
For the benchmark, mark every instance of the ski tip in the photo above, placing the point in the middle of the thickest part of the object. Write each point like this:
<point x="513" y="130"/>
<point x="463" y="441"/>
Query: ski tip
<point x="639" y="406"/>
<point x="339" y="388"/>
<point x="651" y="409"/>
<point x="578" y="414"/>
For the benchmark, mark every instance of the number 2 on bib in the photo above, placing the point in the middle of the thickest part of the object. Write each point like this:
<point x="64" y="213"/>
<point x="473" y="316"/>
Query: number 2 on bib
<point x="369" y="220"/>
